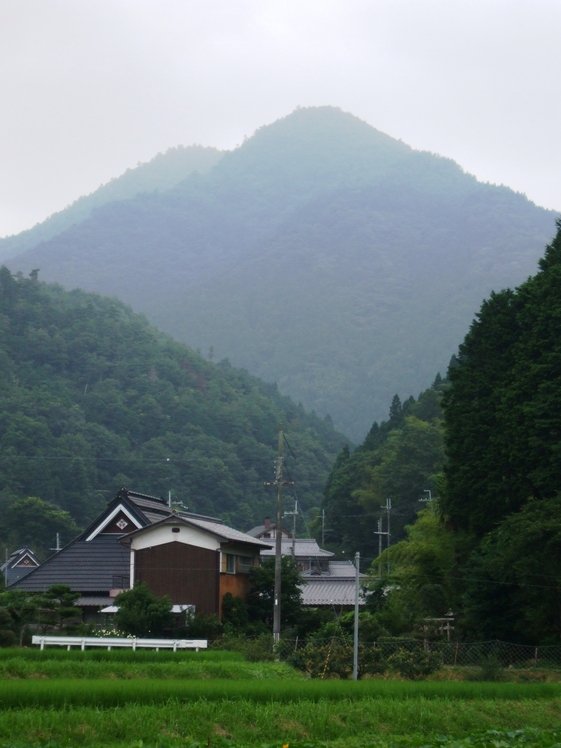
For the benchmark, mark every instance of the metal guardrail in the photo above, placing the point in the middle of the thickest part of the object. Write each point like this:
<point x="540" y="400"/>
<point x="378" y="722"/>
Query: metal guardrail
<point x="113" y="641"/>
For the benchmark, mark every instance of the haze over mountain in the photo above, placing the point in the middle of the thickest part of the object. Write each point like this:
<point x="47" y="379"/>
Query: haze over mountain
<point x="162" y="172"/>
<point x="321" y="254"/>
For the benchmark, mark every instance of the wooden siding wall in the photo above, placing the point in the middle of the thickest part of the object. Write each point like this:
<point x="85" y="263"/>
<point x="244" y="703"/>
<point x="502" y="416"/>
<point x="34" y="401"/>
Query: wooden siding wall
<point x="188" y="574"/>
<point x="237" y="584"/>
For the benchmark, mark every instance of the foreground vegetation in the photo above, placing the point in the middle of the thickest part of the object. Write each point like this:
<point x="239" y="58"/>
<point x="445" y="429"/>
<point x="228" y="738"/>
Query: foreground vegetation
<point x="245" y="722"/>
<point x="125" y="699"/>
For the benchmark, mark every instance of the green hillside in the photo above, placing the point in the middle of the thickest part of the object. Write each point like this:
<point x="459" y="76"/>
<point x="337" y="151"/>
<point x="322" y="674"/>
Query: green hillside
<point x="92" y="397"/>
<point x="162" y="172"/>
<point x="321" y="254"/>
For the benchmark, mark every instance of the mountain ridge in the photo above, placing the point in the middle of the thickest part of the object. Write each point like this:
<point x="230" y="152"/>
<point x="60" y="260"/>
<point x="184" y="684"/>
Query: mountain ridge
<point x="320" y="254"/>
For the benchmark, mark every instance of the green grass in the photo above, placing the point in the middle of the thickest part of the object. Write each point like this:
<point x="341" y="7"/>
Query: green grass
<point x="187" y="669"/>
<point x="246" y="723"/>
<point x="108" y="694"/>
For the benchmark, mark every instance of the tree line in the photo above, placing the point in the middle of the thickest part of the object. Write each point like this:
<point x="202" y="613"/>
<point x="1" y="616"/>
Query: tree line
<point x="487" y="551"/>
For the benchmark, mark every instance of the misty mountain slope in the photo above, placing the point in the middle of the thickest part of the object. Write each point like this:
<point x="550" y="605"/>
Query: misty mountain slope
<point x="162" y="172"/>
<point x="321" y="254"/>
<point x="342" y="309"/>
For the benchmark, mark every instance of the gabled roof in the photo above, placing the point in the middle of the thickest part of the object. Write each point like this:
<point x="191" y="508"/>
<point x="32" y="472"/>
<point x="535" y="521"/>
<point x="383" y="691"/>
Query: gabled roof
<point x="259" y="530"/>
<point x="144" y="509"/>
<point x="23" y="556"/>
<point x="214" y="527"/>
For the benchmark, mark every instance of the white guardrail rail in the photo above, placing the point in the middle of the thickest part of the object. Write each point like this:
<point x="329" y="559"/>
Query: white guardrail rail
<point x="113" y="641"/>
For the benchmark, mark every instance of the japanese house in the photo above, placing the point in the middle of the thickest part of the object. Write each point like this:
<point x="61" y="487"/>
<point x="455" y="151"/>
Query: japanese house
<point x="191" y="558"/>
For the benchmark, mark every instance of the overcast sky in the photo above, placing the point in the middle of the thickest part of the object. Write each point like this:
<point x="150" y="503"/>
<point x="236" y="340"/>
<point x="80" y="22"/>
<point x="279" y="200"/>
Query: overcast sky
<point x="89" y="88"/>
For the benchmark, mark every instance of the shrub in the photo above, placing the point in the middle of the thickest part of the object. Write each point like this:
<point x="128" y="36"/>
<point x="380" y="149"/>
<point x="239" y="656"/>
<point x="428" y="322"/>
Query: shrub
<point x="414" y="664"/>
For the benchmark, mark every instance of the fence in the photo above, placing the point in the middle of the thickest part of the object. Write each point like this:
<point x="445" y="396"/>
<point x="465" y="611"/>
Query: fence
<point x="451" y="653"/>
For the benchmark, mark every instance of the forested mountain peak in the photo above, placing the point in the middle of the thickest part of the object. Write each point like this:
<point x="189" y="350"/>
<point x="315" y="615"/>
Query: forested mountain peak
<point x="321" y="254"/>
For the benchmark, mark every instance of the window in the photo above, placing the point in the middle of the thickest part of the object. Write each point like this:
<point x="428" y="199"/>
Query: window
<point x="230" y="563"/>
<point x="246" y="564"/>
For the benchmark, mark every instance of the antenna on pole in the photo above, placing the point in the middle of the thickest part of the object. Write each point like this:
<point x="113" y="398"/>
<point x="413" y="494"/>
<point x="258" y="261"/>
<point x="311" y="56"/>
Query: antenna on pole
<point x="279" y="483"/>
<point x="57" y="549"/>
<point x="388" y="509"/>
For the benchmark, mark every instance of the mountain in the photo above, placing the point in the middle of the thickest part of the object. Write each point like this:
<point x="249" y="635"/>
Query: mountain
<point x="321" y="254"/>
<point x="92" y="398"/>
<point x="162" y="172"/>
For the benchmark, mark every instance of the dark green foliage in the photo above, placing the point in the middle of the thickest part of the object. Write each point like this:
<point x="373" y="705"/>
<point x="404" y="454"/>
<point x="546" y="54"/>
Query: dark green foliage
<point x="414" y="664"/>
<point x="502" y="411"/>
<point x="93" y="398"/>
<point x="234" y="612"/>
<point x="56" y="608"/>
<point x="379" y="254"/>
<point x="399" y="459"/>
<point x="35" y="523"/>
<point x="503" y="418"/>
<point x="141" y="613"/>
<point x="261" y="597"/>
<point x="513" y="585"/>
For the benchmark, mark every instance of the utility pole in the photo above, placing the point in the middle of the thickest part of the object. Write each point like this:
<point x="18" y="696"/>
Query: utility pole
<point x="322" y="527"/>
<point x="379" y="533"/>
<point x="279" y="483"/>
<point x="357" y="592"/>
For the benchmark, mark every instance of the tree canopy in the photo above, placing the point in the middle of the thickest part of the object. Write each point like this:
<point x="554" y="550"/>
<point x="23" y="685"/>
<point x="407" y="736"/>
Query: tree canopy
<point x="93" y="398"/>
<point x="400" y="459"/>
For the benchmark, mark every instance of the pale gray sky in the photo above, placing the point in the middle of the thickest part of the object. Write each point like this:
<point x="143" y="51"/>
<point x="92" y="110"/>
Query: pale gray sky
<point x="89" y="88"/>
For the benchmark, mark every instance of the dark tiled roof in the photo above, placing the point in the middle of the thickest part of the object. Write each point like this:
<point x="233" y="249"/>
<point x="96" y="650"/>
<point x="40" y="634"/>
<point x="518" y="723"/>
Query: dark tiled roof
<point x="84" y="566"/>
<point x="303" y="548"/>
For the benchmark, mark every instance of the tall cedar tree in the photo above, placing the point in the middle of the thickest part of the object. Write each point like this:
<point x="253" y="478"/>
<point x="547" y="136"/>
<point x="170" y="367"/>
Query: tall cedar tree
<point x="503" y="410"/>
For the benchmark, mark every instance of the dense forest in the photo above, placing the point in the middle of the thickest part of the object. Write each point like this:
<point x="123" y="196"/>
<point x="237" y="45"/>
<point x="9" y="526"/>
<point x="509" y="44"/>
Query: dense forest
<point x="401" y="459"/>
<point x="321" y="254"/>
<point x="92" y="398"/>
<point x="489" y="548"/>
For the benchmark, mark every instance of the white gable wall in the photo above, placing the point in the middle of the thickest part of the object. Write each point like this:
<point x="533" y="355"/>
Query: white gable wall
<point x="163" y="534"/>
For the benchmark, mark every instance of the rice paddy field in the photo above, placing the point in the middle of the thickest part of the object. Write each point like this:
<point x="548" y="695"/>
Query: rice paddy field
<point x="146" y="699"/>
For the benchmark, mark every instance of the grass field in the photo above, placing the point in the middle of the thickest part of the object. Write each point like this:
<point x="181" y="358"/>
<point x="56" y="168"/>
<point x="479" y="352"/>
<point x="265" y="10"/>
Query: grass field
<point x="144" y="700"/>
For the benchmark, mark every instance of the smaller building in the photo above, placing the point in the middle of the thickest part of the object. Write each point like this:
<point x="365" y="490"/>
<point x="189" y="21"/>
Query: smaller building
<point x="334" y="587"/>
<point x="18" y="565"/>
<point x="268" y="531"/>
<point x="307" y="554"/>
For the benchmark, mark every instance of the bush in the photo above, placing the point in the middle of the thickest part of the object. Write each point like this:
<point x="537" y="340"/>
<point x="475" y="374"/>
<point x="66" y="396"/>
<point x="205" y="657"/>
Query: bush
<point x="414" y="664"/>
<point x="490" y="670"/>
<point x="7" y="638"/>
